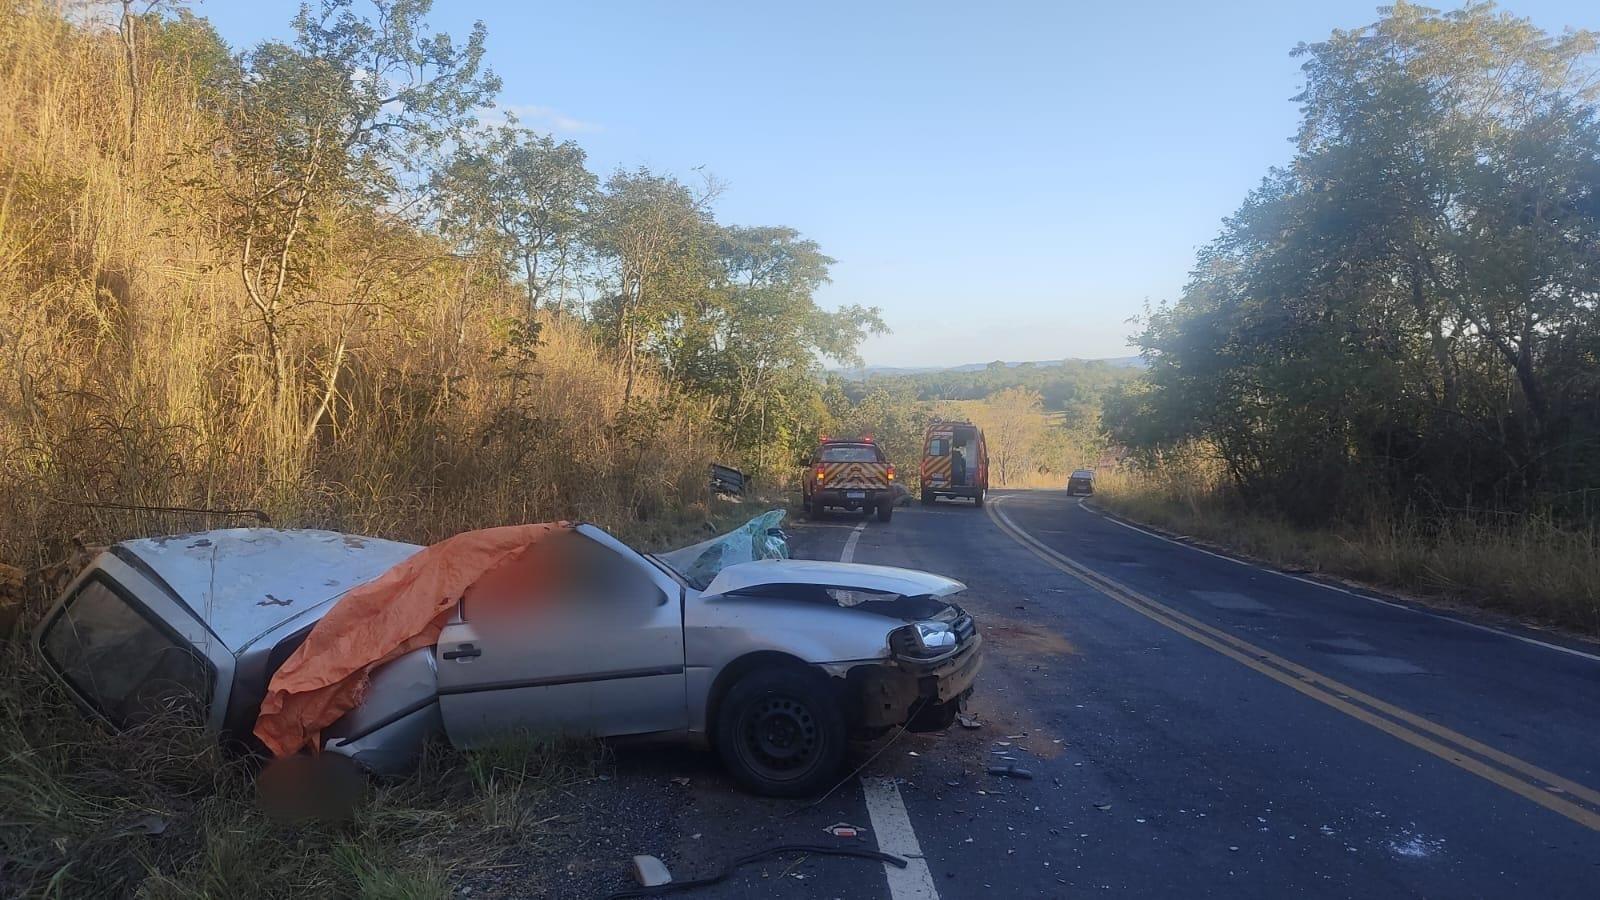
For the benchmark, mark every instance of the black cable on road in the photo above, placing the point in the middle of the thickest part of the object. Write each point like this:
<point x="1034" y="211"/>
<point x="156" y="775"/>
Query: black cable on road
<point x="819" y="849"/>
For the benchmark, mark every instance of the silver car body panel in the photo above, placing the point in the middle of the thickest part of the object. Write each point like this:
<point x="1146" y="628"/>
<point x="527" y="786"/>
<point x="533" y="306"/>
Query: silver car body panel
<point x="239" y="594"/>
<point x="244" y="582"/>
<point x="720" y="629"/>
<point x="396" y="719"/>
<point x="857" y="576"/>
<point x="606" y="664"/>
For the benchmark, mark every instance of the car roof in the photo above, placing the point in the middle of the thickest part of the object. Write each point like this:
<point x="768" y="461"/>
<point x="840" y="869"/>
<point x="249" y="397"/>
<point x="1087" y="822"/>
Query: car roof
<point x="1079" y="472"/>
<point x="244" y="582"/>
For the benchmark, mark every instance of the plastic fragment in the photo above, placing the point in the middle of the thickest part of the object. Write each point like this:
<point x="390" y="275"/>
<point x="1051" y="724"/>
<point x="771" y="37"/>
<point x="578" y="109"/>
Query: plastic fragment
<point x="1010" y="772"/>
<point x="650" y="871"/>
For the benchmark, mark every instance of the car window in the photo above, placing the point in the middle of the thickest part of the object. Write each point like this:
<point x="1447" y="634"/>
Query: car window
<point x="565" y="570"/>
<point x="939" y="446"/>
<point x="849" y="453"/>
<point x="120" y="660"/>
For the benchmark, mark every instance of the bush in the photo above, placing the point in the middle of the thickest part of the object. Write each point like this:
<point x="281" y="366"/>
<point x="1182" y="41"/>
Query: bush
<point x="1518" y="563"/>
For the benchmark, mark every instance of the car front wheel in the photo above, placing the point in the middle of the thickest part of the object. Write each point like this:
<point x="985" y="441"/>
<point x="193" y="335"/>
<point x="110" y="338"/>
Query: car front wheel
<point x="780" y="732"/>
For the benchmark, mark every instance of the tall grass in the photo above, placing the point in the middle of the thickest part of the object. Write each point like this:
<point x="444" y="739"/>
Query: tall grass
<point x="1522" y="564"/>
<point x="159" y="811"/>
<point x="133" y="380"/>
<point x="133" y="372"/>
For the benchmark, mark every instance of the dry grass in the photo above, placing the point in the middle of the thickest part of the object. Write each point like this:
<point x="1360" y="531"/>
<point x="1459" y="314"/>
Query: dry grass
<point x="1523" y="565"/>
<point x="161" y="812"/>
<point x="132" y="374"/>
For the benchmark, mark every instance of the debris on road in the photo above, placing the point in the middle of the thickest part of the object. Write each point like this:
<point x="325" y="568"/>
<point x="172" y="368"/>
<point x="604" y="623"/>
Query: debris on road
<point x="650" y="871"/>
<point x="1011" y="772"/>
<point x="968" y="721"/>
<point x="681" y="781"/>
<point x="844" y="830"/>
<point x="651" y="890"/>
<point x="1103" y="805"/>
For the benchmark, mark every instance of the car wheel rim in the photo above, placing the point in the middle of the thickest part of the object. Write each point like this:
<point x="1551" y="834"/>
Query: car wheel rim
<point x="780" y="737"/>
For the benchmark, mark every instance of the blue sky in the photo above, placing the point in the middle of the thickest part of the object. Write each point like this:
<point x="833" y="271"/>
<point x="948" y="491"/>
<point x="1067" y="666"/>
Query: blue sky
<point x="1011" y="180"/>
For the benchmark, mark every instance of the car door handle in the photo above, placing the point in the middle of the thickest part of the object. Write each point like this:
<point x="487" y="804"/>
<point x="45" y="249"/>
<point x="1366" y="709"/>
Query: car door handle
<point x="463" y="651"/>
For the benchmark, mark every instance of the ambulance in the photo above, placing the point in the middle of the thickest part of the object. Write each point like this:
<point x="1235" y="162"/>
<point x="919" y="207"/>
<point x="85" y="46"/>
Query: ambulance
<point x="955" y="462"/>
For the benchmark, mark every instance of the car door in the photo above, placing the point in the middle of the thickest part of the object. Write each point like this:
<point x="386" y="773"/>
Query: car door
<point x="599" y="653"/>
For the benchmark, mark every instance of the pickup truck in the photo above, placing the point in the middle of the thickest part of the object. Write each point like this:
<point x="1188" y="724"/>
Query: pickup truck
<point x="848" y="474"/>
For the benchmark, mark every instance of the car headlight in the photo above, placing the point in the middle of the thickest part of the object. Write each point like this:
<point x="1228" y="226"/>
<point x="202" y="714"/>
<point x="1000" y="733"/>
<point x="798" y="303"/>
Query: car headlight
<point x="923" y="639"/>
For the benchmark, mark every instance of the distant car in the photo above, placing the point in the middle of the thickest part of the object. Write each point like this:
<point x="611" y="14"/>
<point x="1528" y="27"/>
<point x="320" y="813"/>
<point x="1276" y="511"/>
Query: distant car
<point x="774" y="663"/>
<point x="1081" y="482"/>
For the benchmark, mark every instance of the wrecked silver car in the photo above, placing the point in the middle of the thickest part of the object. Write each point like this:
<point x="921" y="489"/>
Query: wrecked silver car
<point x="774" y="663"/>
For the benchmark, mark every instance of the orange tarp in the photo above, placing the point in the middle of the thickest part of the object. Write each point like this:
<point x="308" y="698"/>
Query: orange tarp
<point x="399" y="611"/>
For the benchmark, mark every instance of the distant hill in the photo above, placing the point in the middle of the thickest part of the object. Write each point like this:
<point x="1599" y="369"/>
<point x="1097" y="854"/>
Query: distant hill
<point x="862" y="372"/>
<point x="1062" y="384"/>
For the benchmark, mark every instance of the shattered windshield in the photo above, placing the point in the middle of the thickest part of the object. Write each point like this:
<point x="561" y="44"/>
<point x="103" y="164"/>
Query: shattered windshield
<point x="759" y="538"/>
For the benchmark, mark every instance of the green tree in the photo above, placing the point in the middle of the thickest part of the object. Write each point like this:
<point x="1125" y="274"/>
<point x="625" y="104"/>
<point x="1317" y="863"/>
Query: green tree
<point x="760" y="341"/>
<point x="1013" y="425"/>
<point x="1403" y="310"/>
<point x="522" y="199"/>
<point x="316" y="136"/>
<point x="655" y="236"/>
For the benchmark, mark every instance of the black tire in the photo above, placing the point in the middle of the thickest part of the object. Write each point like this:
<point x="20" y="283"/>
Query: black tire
<point x="927" y="498"/>
<point x="978" y="500"/>
<point x="885" y="510"/>
<point x="781" y="733"/>
<point x="805" y="504"/>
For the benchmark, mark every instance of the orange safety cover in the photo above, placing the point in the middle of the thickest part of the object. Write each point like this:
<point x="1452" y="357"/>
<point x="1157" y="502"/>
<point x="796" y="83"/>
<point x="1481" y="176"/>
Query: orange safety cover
<point x="399" y="611"/>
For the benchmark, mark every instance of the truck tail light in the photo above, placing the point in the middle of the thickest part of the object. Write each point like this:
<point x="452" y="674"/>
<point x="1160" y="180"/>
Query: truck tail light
<point x="821" y="474"/>
<point x="891" y="473"/>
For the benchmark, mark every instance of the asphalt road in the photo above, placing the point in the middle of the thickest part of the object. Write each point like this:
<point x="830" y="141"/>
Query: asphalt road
<point x="1194" y="726"/>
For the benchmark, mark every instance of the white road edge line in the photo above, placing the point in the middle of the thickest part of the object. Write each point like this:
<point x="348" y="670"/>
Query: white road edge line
<point x="850" y="543"/>
<point x="891" y="825"/>
<point x="1314" y="583"/>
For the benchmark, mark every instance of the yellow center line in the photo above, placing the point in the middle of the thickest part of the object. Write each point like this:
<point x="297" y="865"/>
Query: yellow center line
<point x="1542" y="787"/>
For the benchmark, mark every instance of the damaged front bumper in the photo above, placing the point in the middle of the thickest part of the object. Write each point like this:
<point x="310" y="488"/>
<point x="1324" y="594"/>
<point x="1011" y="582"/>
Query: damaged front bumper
<point x="901" y="691"/>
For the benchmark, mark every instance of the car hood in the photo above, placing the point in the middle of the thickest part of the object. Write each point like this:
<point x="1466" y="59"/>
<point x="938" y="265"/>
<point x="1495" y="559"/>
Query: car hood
<point x="857" y="576"/>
